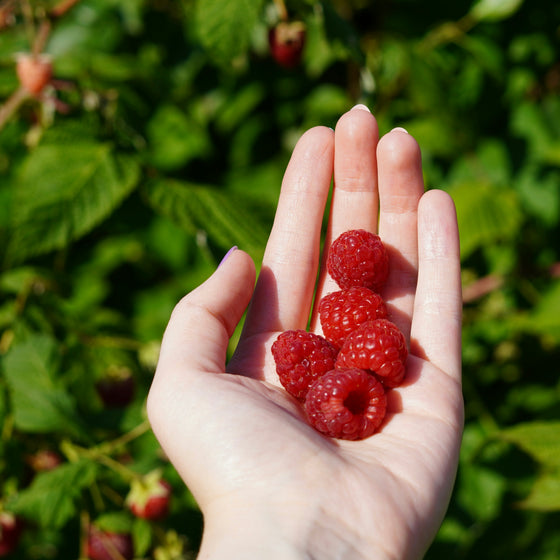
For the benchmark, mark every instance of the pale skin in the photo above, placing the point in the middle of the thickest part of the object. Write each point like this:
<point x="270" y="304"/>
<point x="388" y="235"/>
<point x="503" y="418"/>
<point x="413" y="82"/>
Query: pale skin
<point x="270" y="486"/>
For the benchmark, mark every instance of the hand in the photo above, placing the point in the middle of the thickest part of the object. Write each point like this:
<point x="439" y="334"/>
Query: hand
<point x="268" y="484"/>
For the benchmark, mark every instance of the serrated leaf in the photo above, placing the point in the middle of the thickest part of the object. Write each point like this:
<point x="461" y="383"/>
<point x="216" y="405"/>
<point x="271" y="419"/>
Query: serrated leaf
<point x="541" y="440"/>
<point x="494" y="10"/>
<point x="545" y="493"/>
<point x="64" y="191"/>
<point x="225" y="26"/>
<point x="38" y="402"/>
<point x="50" y="500"/>
<point x="486" y="215"/>
<point x="199" y="208"/>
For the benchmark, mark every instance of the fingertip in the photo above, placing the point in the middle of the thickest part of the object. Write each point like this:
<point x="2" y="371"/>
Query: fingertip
<point x="437" y="199"/>
<point x="316" y="136"/>
<point x="437" y="223"/>
<point x="357" y="122"/>
<point x="398" y="148"/>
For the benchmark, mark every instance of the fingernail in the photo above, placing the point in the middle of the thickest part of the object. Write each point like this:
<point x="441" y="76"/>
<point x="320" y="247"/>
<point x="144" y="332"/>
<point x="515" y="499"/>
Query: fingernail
<point x="400" y="128"/>
<point x="227" y="255"/>
<point x="362" y="107"/>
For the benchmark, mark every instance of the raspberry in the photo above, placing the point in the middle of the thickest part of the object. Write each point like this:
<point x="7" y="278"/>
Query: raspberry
<point x="149" y="497"/>
<point x="106" y="545"/>
<point x="358" y="258"/>
<point x="286" y="42"/>
<point x="346" y="404"/>
<point x="378" y="346"/>
<point x="301" y="357"/>
<point x="344" y="311"/>
<point x="34" y="72"/>
<point x="11" y="528"/>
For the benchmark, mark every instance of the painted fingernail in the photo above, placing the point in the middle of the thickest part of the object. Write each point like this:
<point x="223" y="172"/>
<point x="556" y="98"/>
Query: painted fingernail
<point x="400" y="128"/>
<point x="227" y="255"/>
<point x="362" y="107"/>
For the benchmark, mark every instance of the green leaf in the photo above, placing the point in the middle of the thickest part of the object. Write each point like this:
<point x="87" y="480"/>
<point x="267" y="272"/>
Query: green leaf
<point x="545" y="493"/>
<point x="38" y="402"/>
<point x="486" y="215"/>
<point x="540" y="439"/>
<point x="63" y="192"/>
<point x="115" y="521"/>
<point x="226" y="220"/>
<point x="225" y="26"/>
<point x="544" y="318"/>
<point x="539" y="193"/>
<point x="142" y="536"/>
<point x="494" y="10"/>
<point x="51" y="498"/>
<point x="175" y="138"/>
<point x="480" y="491"/>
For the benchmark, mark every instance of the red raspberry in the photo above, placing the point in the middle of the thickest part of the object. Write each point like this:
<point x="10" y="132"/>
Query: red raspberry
<point x="149" y="497"/>
<point x="346" y="404"/>
<point x="378" y="346"/>
<point x="301" y="357"/>
<point x="286" y="42"/>
<point x="358" y="258"/>
<point x="106" y="545"/>
<point x="11" y="528"/>
<point x="344" y="311"/>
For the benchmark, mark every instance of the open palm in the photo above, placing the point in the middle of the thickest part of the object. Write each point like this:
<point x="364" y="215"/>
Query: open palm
<point x="268" y="484"/>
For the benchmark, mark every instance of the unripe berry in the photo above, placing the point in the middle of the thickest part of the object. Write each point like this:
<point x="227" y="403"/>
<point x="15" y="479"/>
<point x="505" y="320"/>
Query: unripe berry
<point x="34" y="72"/>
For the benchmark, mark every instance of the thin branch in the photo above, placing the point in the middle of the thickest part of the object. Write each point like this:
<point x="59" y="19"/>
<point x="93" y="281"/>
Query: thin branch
<point x="11" y="105"/>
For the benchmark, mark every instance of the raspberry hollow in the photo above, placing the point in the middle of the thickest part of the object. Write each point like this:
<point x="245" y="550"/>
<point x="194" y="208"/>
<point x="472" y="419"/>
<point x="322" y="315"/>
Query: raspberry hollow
<point x="346" y="404"/>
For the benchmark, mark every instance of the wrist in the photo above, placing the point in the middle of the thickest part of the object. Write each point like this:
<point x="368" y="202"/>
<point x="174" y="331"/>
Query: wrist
<point x="248" y="533"/>
<point x="253" y="533"/>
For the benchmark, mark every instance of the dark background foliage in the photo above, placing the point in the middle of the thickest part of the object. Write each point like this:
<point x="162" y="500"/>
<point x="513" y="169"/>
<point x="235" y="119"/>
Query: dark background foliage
<point x="161" y="142"/>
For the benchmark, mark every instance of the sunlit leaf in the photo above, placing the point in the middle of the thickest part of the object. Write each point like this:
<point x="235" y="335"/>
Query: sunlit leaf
<point x="486" y="215"/>
<point x="494" y="10"/>
<point x="545" y="493"/>
<point x="51" y="498"/>
<point x="63" y="192"/>
<point x="175" y="138"/>
<point x="225" y="26"/>
<point x="540" y="439"/>
<point x="39" y="403"/>
<point x="225" y="219"/>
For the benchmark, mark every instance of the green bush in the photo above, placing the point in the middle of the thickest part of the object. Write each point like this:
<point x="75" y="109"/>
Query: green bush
<point x="161" y="141"/>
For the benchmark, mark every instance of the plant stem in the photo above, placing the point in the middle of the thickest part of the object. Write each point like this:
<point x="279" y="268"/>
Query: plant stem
<point x="136" y="432"/>
<point x="282" y="10"/>
<point x="11" y="105"/>
<point x="62" y="7"/>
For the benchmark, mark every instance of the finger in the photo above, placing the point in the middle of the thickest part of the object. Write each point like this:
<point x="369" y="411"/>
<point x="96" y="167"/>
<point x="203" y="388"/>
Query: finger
<point x="198" y="332"/>
<point x="354" y="202"/>
<point x="284" y="291"/>
<point x="400" y="187"/>
<point x="436" y="328"/>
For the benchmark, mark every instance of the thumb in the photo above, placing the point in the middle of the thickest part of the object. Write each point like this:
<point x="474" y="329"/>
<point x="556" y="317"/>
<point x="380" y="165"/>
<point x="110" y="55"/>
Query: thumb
<point x="197" y="335"/>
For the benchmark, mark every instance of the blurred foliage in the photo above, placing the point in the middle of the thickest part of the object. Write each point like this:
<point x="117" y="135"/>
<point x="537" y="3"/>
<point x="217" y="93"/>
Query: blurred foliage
<point x="161" y="141"/>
